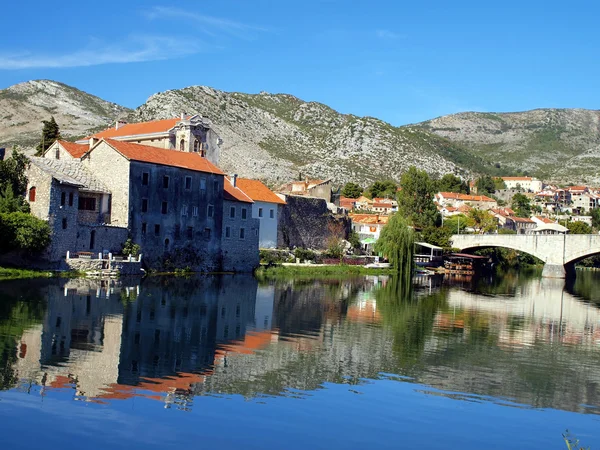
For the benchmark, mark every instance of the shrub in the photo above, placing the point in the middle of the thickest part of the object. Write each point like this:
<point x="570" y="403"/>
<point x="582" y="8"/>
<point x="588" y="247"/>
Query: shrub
<point x="305" y="254"/>
<point x="129" y="248"/>
<point x="22" y="231"/>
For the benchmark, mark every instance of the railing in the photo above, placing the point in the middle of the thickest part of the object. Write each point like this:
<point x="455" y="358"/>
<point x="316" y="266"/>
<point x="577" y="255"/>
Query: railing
<point x="103" y="257"/>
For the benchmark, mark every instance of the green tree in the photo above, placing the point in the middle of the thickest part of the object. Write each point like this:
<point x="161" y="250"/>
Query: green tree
<point x="9" y="203"/>
<point x="499" y="184"/>
<point x="595" y="213"/>
<point x="50" y="133"/>
<point x="12" y="173"/>
<point x="397" y="243"/>
<point x="352" y="190"/>
<point x="456" y="224"/>
<point x="415" y="199"/>
<point x="521" y="205"/>
<point x="485" y="185"/>
<point x="451" y="183"/>
<point x="481" y="221"/>
<point x="22" y="231"/>
<point x="439" y="236"/>
<point x="579" y="227"/>
<point x="385" y="189"/>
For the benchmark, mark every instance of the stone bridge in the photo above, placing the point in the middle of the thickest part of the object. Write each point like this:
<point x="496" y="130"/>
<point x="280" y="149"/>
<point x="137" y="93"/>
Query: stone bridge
<point x="559" y="252"/>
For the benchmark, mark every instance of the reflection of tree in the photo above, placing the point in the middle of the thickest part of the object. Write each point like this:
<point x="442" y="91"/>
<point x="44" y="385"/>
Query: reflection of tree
<point x="16" y="315"/>
<point x="585" y="286"/>
<point x="410" y="317"/>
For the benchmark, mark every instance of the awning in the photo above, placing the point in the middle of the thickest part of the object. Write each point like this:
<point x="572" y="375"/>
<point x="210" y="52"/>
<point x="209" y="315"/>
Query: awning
<point x="368" y="240"/>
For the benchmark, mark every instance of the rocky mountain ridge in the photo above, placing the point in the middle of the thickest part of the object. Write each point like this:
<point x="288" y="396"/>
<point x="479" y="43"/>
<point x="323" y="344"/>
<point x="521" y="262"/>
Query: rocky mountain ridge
<point x="277" y="137"/>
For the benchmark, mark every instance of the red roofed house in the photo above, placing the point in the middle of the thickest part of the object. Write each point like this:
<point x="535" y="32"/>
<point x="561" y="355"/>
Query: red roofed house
<point x="528" y="184"/>
<point x="458" y="200"/>
<point x="266" y="208"/>
<point x="66" y="150"/>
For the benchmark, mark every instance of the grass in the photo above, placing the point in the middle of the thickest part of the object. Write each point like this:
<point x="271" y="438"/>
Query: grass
<point x="9" y="273"/>
<point x="311" y="271"/>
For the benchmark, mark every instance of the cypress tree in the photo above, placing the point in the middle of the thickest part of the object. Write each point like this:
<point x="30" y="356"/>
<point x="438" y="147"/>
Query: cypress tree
<point x="50" y="133"/>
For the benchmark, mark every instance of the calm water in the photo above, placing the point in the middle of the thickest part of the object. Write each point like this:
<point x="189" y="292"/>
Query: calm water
<point x="228" y="362"/>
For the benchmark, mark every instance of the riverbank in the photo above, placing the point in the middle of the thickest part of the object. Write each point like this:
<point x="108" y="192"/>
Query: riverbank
<point x="8" y="273"/>
<point x="281" y="271"/>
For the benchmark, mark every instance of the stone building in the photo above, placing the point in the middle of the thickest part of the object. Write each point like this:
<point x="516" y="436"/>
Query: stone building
<point x="241" y="229"/>
<point x="154" y="182"/>
<point x="266" y="208"/>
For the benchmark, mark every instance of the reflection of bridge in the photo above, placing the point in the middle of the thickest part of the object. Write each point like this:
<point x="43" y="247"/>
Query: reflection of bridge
<point x="559" y="252"/>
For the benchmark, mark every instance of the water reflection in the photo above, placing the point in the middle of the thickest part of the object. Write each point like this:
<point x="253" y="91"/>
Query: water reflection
<point x="519" y="339"/>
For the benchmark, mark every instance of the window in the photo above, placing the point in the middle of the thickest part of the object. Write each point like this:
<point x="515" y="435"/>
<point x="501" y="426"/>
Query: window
<point x="166" y="182"/>
<point x="196" y="145"/>
<point x="63" y="198"/>
<point x="227" y="232"/>
<point x="272" y="213"/>
<point x="70" y="199"/>
<point x="190" y="232"/>
<point x="87" y="204"/>
<point x="216" y="186"/>
<point x="32" y="194"/>
<point x="64" y="223"/>
<point x="242" y="233"/>
<point x="202" y="184"/>
<point x="188" y="183"/>
<point x="256" y="232"/>
<point x="182" y="145"/>
<point x="145" y="179"/>
<point x="244" y="213"/>
<point x="164" y="207"/>
<point x="184" y="210"/>
<point x="195" y="211"/>
<point x="260" y="214"/>
<point x="144" y="205"/>
<point x="210" y="211"/>
<point x="156" y="230"/>
<point x="232" y="212"/>
<point x="207" y="233"/>
<point x="144" y="227"/>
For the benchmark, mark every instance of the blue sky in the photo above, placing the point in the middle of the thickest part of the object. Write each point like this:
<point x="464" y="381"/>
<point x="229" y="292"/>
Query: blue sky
<point x="400" y="61"/>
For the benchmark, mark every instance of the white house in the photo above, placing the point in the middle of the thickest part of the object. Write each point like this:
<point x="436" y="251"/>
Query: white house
<point x="528" y="184"/>
<point x="265" y="208"/>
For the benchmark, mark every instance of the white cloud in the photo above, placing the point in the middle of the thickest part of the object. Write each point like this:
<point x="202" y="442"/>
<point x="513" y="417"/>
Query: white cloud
<point x="209" y="25"/>
<point x="387" y="34"/>
<point x="133" y="49"/>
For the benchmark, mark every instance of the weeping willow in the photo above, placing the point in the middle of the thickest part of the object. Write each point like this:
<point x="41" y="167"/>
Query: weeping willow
<point x="397" y="243"/>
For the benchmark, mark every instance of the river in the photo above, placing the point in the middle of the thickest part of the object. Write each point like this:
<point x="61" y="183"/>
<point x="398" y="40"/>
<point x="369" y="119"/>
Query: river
<point x="511" y="361"/>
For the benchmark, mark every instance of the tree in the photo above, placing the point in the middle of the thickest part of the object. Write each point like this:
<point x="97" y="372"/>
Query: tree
<point x="385" y="189"/>
<point x="579" y="228"/>
<point x="352" y="190"/>
<point x="12" y="172"/>
<point x="499" y="184"/>
<point x="521" y="205"/>
<point x="439" y="236"/>
<point x="50" y="133"/>
<point x="335" y="240"/>
<point x="485" y="185"/>
<point x="451" y="183"/>
<point x="481" y="221"/>
<point x="415" y="199"/>
<point x="21" y="231"/>
<point x="9" y="203"/>
<point x="595" y="213"/>
<point x="397" y="243"/>
<point x="456" y="224"/>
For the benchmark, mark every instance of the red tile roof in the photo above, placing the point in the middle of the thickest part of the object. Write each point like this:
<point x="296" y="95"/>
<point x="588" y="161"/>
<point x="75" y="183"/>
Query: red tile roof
<point x="173" y="158"/>
<point x="517" y="178"/>
<point x="132" y="129"/>
<point x="544" y="219"/>
<point x="75" y="150"/>
<point x="258" y="192"/>
<point x="382" y="205"/>
<point x="466" y="198"/>
<point x="370" y="219"/>
<point x="234" y="193"/>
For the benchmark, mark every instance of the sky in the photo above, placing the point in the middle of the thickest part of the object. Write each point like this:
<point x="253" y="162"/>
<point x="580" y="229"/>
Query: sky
<point x="400" y="61"/>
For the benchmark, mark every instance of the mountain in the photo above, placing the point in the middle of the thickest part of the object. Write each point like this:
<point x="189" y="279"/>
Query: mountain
<point x="277" y="136"/>
<point x="23" y="107"/>
<point x="554" y="144"/>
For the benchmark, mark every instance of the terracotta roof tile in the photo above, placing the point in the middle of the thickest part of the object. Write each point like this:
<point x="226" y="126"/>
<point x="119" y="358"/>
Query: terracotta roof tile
<point x="466" y="198"/>
<point x="75" y="150"/>
<point x="154" y="155"/>
<point x="132" y="129"/>
<point x="517" y="178"/>
<point x="371" y="219"/>
<point x="257" y="191"/>
<point x="234" y="193"/>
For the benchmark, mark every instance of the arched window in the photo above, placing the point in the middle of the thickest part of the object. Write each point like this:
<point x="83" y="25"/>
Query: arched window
<point x="182" y="145"/>
<point x="32" y="194"/>
<point x="57" y="153"/>
<point x="167" y="242"/>
<point x="196" y="145"/>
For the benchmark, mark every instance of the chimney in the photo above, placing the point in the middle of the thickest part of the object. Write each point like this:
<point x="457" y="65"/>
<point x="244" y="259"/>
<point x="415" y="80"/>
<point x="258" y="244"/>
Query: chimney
<point x="117" y="125"/>
<point x="183" y="116"/>
<point x="234" y="180"/>
<point x="120" y="123"/>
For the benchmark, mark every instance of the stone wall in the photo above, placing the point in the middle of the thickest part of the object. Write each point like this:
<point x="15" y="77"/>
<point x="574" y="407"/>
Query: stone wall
<point x="305" y="222"/>
<point x="239" y="254"/>
<point x="107" y="239"/>
<point x="97" y="265"/>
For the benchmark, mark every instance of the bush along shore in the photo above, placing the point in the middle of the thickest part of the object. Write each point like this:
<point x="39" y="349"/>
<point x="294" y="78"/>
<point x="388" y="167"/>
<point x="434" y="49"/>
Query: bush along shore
<point x="280" y="271"/>
<point x="8" y="273"/>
